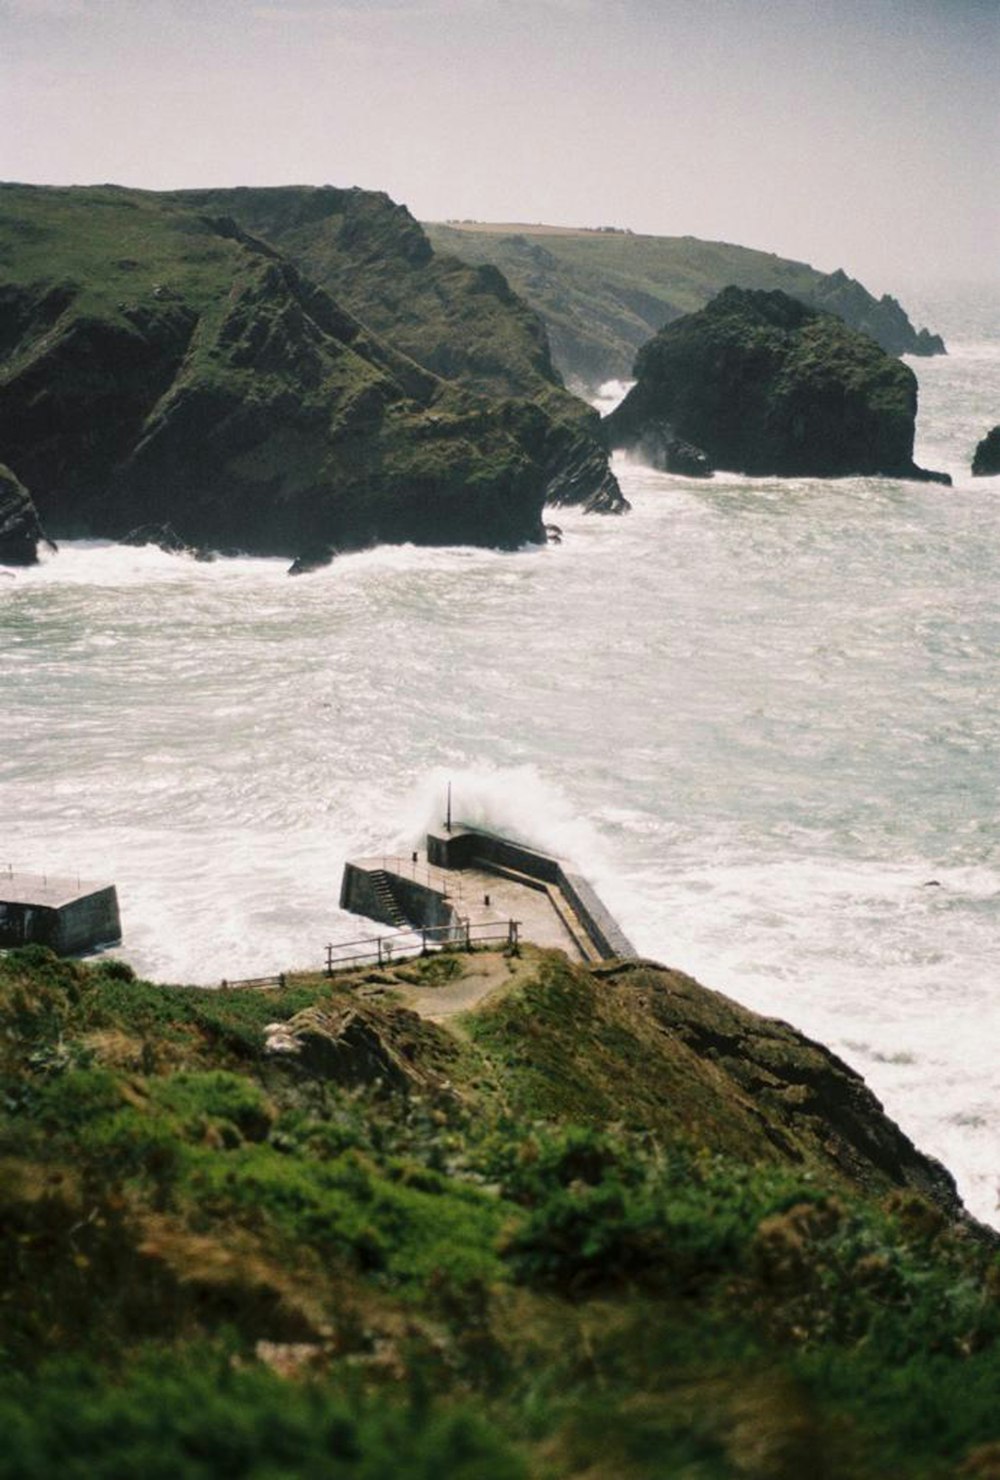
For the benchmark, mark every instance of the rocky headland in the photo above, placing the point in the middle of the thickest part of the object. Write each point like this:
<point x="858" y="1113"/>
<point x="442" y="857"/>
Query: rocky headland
<point x="763" y="385"/>
<point x="604" y="293"/>
<point x="986" y="460"/>
<point x="159" y="365"/>
<point x="602" y="1222"/>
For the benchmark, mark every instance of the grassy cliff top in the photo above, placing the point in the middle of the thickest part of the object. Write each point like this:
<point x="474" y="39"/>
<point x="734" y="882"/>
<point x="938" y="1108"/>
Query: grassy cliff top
<point x="604" y="1223"/>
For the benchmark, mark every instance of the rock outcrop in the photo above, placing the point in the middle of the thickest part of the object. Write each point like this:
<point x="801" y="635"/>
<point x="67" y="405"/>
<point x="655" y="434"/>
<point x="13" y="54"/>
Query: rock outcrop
<point x="768" y="387"/>
<point x="462" y="323"/>
<point x="159" y="366"/>
<point x="20" y="529"/>
<point x="986" y="462"/>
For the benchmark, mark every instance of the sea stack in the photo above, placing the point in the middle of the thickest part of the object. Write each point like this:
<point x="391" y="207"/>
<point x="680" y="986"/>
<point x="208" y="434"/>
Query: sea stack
<point x="986" y="462"/>
<point x="766" y="386"/>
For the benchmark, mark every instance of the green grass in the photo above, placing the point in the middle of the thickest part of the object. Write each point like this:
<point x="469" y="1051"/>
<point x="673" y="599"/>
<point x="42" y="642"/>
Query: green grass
<point x="487" y="1282"/>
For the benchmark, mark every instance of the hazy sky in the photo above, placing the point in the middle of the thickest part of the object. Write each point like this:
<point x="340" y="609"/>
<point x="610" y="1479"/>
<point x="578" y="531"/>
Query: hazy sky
<point x="853" y="133"/>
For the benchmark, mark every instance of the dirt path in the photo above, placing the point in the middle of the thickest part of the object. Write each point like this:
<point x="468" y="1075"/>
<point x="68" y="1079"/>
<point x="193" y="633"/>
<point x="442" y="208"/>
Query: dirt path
<point x="484" y="973"/>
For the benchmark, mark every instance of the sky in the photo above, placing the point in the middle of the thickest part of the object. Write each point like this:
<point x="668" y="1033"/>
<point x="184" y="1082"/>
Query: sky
<point x="862" y="134"/>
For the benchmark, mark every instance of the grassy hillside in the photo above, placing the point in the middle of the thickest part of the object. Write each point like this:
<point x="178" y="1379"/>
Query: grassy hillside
<point x="607" y="1224"/>
<point x="604" y="293"/>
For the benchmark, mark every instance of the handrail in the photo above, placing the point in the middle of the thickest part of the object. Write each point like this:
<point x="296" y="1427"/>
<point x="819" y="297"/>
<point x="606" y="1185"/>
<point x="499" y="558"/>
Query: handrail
<point x="254" y="981"/>
<point x="399" y="944"/>
<point x="381" y="949"/>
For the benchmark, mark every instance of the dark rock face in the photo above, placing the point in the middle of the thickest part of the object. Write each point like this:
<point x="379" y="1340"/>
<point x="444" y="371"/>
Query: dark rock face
<point x="767" y="386"/>
<point x="20" y="529"/>
<point x="236" y="403"/>
<point x="660" y="446"/>
<point x="462" y="323"/>
<point x="986" y="462"/>
<point x="883" y="319"/>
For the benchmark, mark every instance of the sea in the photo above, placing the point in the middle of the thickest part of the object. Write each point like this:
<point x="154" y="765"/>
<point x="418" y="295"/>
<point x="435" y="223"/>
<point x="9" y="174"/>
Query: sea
<point x="761" y="715"/>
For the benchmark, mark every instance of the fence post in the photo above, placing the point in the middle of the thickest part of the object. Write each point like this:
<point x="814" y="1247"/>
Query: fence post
<point x="423" y="942"/>
<point x="468" y="935"/>
<point x="329" y="960"/>
<point x="379" y="943"/>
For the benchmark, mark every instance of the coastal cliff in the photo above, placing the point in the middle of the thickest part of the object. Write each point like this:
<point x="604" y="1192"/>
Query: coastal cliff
<point x="603" y="1221"/>
<point x="763" y="385"/>
<point x="159" y="365"/>
<point x="604" y="293"/>
<point x="462" y="323"/>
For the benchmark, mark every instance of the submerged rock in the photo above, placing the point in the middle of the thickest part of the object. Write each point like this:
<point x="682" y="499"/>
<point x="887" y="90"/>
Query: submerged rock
<point x="165" y="538"/>
<point x="20" y="529"/>
<point x="316" y="557"/>
<point x="767" y="386"/>
<point x="986" y="462"/>
<point x="660" y="446"/>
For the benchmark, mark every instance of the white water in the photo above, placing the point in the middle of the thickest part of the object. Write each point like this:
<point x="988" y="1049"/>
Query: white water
<point x="761" y="715"/>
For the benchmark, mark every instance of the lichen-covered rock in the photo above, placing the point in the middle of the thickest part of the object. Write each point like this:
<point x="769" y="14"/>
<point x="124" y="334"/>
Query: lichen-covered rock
<point x="353" y="1044"/>
<point x="986" y="462"/>
<point x="766" y="386"/>
<point x="20" y="529"/>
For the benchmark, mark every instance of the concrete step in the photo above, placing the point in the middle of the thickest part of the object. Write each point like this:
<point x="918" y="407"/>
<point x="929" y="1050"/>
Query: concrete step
<point x="387" y="900"/>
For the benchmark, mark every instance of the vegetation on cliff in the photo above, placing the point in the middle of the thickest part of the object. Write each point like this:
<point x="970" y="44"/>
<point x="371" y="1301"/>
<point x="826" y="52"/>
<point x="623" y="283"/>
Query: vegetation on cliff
<point x="159" y="365"/>
<point x="603" y="294"/>
<point x="607" y="1224"/>
<point x="765" y="386"/>
<point x="463" y="323"/>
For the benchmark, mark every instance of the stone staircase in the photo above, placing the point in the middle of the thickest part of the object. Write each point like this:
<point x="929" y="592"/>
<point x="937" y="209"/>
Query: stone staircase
<point x="389" y="908"/>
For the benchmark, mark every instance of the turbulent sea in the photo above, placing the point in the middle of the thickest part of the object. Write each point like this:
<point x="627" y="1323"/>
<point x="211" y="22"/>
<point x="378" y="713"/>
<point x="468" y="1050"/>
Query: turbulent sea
<point x="761" y="715"/>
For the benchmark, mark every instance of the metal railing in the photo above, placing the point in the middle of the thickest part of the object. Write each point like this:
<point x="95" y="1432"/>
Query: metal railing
<point x="261" y="982"/>
<point x="382" y="950"/>
<point x="399" y="945"/>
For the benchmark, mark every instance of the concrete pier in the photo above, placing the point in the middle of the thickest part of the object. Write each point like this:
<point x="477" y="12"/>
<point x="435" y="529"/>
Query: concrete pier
<point x="69" y="916"/>
<point x="470" y="877"/>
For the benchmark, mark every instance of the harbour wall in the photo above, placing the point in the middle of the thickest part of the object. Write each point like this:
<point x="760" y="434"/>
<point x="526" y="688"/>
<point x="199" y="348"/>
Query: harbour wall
<point x="467" y="848"/>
